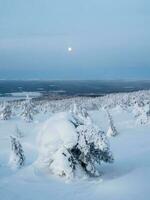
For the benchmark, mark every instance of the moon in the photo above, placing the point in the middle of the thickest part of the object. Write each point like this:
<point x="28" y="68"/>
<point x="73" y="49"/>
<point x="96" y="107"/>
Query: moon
<point x="69" y="49"/>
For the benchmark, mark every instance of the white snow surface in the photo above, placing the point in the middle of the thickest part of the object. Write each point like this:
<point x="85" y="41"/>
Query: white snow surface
<point x="62" y="132"/>
<point x="57" y="133"/>
<point x="128" y="178"/>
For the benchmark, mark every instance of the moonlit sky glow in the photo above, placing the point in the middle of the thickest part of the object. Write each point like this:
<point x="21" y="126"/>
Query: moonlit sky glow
<point x="69" y="49"/>
<point x="110" y="39"/>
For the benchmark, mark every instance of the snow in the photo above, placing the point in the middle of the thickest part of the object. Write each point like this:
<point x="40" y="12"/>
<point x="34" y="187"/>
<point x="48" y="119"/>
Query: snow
<point x="55" y="134"/>
<point x="126" y="179"/>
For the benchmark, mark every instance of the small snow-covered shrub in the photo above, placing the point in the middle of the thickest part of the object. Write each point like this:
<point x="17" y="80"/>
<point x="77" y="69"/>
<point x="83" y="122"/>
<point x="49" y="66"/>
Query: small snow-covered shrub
<point x="112" y="131"/>
<point x="69" y="146"/>
<point x="17" y="158"/>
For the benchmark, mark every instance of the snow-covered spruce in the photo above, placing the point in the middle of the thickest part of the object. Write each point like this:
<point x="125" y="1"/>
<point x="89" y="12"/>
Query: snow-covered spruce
<point x="112" y="131"/>
<point x="124" y="100"/>
<point x="17" y="158"/>
<point x="68" y="148"/>
<point x="6" y="112"/>
<point x="28" y="110"/>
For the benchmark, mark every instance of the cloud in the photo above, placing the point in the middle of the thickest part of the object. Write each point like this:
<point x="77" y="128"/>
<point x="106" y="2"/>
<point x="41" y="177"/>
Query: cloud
<point x="111" y="34"/>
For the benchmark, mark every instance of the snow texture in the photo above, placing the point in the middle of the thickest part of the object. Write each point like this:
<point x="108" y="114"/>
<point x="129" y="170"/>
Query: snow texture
<point x="127" y="178"/>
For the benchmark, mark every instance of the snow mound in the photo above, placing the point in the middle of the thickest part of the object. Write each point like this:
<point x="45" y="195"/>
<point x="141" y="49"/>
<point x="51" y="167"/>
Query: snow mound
<point x="56" y="133"/>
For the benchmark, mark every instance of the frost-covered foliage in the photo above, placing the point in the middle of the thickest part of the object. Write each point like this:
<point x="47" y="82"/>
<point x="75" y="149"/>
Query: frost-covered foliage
<point x="138" y="110"/>
<point x="80" y="115"/>
<point x="28" y="110"/>
<point x="112" y="131"/>
<point x="91" y="149"/>
<point x="71" y="145"/>
<point x="6" y="112"/>
<point x="126" y="101"/>
<point x="140" y="113"/>
<point x="135" y="103"/>
<point x="17" y="158"/>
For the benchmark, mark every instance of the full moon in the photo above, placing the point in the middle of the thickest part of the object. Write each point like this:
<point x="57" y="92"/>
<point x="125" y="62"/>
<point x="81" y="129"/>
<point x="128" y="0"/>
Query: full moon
<point x="69" y="49"/>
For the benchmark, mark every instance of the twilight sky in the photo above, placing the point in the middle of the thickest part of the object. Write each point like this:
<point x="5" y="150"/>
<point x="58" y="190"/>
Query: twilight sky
<point x="110" y="39"/>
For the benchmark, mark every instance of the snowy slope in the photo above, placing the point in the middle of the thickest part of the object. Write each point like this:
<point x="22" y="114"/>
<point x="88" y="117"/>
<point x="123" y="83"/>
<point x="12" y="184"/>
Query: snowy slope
<point x="127" y="178"/>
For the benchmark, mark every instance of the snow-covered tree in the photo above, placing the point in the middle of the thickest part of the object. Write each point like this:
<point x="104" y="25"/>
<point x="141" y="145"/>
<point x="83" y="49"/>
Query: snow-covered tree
<point x="64" y="164"/>
<point x="80" y="115"/>
<point x="28" y="110"/>
<point x="91" y="149"/>
<point x="77" y="145"/>
<point x="17" y="158"/>
<point x="6" y="112"/>
<point x="112" y="131"/>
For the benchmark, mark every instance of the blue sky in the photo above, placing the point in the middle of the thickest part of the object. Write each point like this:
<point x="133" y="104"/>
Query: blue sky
<point x="110" y="39"/>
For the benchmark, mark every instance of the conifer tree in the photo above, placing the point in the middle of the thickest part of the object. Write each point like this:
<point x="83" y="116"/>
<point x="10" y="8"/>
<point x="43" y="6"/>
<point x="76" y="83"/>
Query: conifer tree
<point x="28" y="110"/>
<point x="112" y="131"/>
<point x="17" y="158"/>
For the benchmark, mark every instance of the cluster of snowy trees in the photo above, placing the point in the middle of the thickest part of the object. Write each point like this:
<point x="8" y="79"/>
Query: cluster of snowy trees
<point x="126" y="101"/>
<point x="26" y="109"/>
<point x="77" y="148"/>
<point x="71" y="144"/>
<point x="130" y="102"/>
